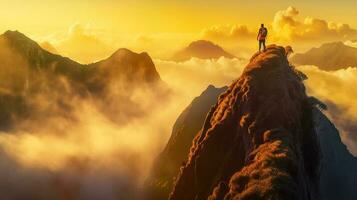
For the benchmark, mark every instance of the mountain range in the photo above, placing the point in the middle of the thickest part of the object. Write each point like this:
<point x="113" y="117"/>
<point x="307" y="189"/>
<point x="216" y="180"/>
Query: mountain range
<point x="329" y="56"/>
<point x="30" y="72"/>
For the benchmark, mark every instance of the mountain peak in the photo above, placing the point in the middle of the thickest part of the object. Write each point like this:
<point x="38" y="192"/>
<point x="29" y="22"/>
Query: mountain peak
<point x="27" y="48"/>
<point x="258" y="141"/>
<point x="334" y="45"/>
<point x="126" y="53"/>
<point x="133" y="65"/>
<point x="14" y="34"/>
<point x="202" y="43"/>
<point x="202" y="49"/>
<point x="19" y="40"/>
<point x="338" y="43"/>
<point x="123" y="51"/>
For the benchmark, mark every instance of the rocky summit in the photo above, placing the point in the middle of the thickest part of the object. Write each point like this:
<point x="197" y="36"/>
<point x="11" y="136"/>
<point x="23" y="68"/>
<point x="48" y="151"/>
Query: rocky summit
<point x="258" y="141"/>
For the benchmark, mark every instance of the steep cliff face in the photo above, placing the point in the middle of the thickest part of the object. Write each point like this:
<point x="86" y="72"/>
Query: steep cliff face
<point x="167" y="165"/>
<point x="338" y="166"/>
<point x="258" y="141"/>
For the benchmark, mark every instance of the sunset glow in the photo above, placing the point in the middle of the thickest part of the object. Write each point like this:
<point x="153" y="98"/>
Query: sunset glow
<point x="142" y="25"/>
<point x="178" y="99"/>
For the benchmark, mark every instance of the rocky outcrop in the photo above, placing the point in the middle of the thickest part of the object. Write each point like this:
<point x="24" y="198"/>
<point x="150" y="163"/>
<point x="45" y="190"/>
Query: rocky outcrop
<point x="258" y="141"/>
<point x="167" y="165"/>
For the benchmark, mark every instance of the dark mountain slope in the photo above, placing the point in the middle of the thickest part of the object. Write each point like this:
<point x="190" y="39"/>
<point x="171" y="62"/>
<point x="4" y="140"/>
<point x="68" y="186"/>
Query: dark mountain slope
<point x="339" y="166"/>
<point x="201" y="49"/>
<point x="167" y="165"/>
<point x="258" y="142"/>
<point x="330" y="56"/>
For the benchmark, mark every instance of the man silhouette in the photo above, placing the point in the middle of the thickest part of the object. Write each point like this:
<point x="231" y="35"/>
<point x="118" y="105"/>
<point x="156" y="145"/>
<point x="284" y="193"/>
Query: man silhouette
<point x="262" y="34"/>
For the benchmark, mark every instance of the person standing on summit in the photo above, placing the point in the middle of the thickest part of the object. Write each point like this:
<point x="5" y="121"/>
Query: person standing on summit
<point x="262" y="34"/>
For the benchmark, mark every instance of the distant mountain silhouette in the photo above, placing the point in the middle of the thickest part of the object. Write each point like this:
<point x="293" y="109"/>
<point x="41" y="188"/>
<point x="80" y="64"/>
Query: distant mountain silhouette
<point x="201" y="49"/>
<point x="166" y="167"/>
<point x="136" y="67"/>
<point x="29" y="71"/>
<point x="123" y="61"/>
<point x="329" y="56"/>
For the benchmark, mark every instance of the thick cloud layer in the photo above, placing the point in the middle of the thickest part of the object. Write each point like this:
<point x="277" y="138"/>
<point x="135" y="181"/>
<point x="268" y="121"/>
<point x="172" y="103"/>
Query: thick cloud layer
<point x="73" y="144"/>
<point x="83" y="44"/>
<point x="80" y="153"/>
<point x="191" y="77"/>
<point x="351" y="43"/>
<point x="228" y="32"/>
<point x="287" y="27"/>
<point x="76" y="150"/>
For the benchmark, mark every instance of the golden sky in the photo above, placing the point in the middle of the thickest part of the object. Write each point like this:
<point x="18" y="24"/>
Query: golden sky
<point x="89" y="30"/>
<point x="38" y="16"/>
<point x="140" y="24"/>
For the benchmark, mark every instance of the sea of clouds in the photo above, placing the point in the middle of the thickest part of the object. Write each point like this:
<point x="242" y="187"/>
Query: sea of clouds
<point x="90" y="156"/>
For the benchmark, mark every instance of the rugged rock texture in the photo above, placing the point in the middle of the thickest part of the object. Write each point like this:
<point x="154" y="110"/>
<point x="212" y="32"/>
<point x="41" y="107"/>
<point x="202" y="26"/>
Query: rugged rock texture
<point x="338" y="176"/>
<point x="339" y="166"/>
<point x="258" y="141"/>
<point x="201" y="49"/>
<point x="330" y="56"/>
<point x="167" y="165"/>
<point x="29" y="72"/>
